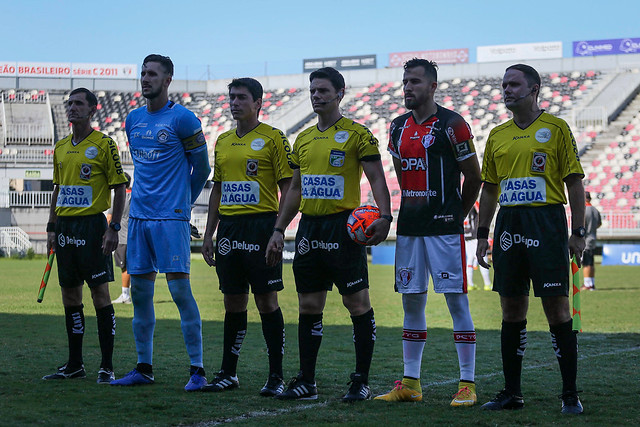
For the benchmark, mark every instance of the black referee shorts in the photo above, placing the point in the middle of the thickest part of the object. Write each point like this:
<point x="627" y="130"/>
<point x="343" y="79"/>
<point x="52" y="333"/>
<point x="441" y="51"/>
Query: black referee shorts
<point x="531" y="244"/>
<point x="79" y="251"/>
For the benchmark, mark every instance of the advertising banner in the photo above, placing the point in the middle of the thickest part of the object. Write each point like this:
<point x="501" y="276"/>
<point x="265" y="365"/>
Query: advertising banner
<point x="620" y="254"/>
<point x="516" y="52"/>
<point x="606" y="47"/>
<point x="68" y="70"/>
<point x="358" y="62"/>
<point x="442" y="56"/>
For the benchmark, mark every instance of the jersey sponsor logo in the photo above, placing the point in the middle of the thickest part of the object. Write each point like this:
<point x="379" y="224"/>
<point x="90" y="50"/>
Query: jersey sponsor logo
<point x="257" y="144"/>
<point x="444" y="275"/>
<point x="244" y="246"/>
<point x="551" y="285"/>
<point x="452" y="135"/>
<point x="421" y="193"/>
<point x="95" y="276"/>
<point x="327" y="246"/>
<point x="85" y="171"/>
<point x="148" y="135"/>
<point x="341" y="136"/>
<point x="252" y="167"/>
<point x="233" y="144"/>
<point x="326" y="187"/>
<point x="355" y="282"/>
<point x="240" y="192"/>
<point x="336" y="158"/>
<point x="415" y="136"/>
<point x="543" y="135"/>
<point x="162" y="135"/>
<point x="70" y="240"/>
<point x="405" y="275"/>
<point x="539" y="162"/>
<point x="445" y="218"/>
<point x="414" y="164"/>
<point x="91" y="153"/>
<point x="115" y="156"/>
<point x="303" y="246"/>
<point x="522" y="191"/>
<point x="515" y="138"/>
<point x="224" y="246"/>
<point x="74" y="196"/>
<point x="428" y="141"/>
<point x="507" y="241"/>
<point x="573" y="142"/>
<point x="462" y="148"/>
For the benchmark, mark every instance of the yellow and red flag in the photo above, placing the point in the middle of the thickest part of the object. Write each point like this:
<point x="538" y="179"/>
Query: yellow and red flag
<point x="575" y="296"/>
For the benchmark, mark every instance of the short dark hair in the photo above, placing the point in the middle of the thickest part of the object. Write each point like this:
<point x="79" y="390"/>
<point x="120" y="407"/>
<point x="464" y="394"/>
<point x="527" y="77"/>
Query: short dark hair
<point x="165" y="61"/>
<point x="331" y="74"/>
<point x="530" y="73"/>
<point x="587" y="195"/>
<point x="91" y="98"/>
<point x="253" y="86"/>
<point x="430" y="67"/>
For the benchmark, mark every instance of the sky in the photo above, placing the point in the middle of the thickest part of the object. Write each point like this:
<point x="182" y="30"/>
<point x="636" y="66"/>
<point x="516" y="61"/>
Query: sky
<point x="211" y="39"/>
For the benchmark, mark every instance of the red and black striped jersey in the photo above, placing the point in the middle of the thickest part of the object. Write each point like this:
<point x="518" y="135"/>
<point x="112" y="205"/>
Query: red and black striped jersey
<point x="429" y="153"/>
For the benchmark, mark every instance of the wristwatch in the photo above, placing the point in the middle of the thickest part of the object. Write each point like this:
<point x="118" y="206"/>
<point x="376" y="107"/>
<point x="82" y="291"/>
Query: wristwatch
<point x="115" y="226"/>
<point x="580" y="232"/>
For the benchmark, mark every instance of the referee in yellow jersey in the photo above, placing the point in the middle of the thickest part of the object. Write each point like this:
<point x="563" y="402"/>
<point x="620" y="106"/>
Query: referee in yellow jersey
<point x="527" y="163"/>
<point x="328" y="160"/>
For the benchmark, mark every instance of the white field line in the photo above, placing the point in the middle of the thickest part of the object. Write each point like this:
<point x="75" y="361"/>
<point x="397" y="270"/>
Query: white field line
<point x="273" y="413"/>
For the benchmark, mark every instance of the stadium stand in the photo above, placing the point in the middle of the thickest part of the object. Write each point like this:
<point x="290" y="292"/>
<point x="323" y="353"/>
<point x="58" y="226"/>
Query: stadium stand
<point x="610" y="145"/>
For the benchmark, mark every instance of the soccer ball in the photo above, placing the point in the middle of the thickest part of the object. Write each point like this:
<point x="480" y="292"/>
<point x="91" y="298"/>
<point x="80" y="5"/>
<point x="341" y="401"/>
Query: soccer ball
<point x="359" y="220"/>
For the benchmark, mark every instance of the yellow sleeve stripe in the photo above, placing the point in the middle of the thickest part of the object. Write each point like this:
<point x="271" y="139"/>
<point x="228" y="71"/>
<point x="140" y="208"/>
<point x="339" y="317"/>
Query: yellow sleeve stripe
<point x="194" y="141"/>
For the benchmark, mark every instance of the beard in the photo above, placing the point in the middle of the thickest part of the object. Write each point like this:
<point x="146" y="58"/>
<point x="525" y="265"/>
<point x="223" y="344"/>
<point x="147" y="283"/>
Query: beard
<point x="152" y="93"/>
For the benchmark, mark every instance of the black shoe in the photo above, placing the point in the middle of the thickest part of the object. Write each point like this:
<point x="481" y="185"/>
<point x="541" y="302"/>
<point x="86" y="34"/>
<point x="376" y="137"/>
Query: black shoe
<point x="504" y="400"/>
<point x="105" y="376"/>
<point x="571" y="403"/>
<point x="359" y="389"/>
<point x="63" y="373"/>
<point x="273" y="387"/>
<point x="222" y="382"/>
<point x="299" y="389"/>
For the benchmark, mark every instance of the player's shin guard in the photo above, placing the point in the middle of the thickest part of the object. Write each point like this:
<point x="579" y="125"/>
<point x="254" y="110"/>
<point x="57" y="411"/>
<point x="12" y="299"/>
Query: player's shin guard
<point x="106" y="332"/>
<point x="414" y="333"/>
<point x="464" y="334"/>
<point x="273" y="332"/>
<point x="565" y="345"/>
<point x="74" y="319"/>
<point x="513" y="340"/>
<point x="235" y="329"/>
<point x="364" y="339"/>
<point x="309" y="339"/>
<point x="144" y="318"/>
<point x="189" y="319"/>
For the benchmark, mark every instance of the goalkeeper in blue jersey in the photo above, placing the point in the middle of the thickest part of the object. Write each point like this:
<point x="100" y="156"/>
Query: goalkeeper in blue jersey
<point x="169" y="153"/>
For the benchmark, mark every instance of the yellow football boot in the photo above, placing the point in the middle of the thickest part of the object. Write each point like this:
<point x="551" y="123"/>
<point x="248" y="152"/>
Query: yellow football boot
<point x="466" y="395"/>
<point x="407" y="390"/>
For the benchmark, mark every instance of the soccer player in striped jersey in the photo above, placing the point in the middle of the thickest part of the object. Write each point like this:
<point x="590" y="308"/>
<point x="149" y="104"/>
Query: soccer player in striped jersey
<point x="431" y="147"/>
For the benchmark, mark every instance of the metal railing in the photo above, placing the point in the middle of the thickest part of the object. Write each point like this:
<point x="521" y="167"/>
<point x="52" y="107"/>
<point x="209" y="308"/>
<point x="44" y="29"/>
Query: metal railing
<point x="30" y="199"/>
<point x="18" y="155"/>
<point x="14" y="239"/>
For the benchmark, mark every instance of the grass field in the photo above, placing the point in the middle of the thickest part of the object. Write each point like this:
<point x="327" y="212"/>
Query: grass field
<point x="33" y="344"/>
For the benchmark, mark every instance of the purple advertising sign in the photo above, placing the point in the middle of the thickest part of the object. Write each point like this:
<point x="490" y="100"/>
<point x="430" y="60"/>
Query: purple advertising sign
<point x="606" y="47"/>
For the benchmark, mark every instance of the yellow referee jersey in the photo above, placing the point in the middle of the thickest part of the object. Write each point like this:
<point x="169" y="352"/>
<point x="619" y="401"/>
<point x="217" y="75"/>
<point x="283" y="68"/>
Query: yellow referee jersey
<point x="330" y="166"/>
<point x="249" y="169"/>
<point x="530" y="164"/>
<point x="85" y="173"/>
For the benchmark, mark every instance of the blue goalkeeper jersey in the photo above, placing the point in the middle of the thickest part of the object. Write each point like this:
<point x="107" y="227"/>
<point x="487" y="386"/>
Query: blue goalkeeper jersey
<point x="160" y="143"/>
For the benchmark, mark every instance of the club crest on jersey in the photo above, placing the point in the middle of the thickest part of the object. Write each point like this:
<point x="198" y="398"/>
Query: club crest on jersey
<point x="91" y="153"/>
<point x="428" y="140"/>
<point x="341" y="136"/>
<point x="252" y="167"/>
<point x="336" y="158"/>
<point x="405" y="275"/>
<point x="162" y="135"/>
<point x="85" y="171"/>
<point x="543" y="135"/>
<point x="257" y="144"/>
<point x="539" y="162"/>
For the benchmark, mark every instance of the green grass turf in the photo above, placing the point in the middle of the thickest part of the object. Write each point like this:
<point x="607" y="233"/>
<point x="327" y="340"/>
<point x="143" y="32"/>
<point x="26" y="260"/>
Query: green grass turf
<point x="33" y="344"/>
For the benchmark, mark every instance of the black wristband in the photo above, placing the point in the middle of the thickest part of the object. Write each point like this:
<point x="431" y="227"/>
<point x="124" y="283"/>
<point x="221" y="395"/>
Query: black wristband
<point x="483" y="232"/>
<point x="387" y="217"/>
<point x="51" y="227"/>
<point x="279" y="230"/>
